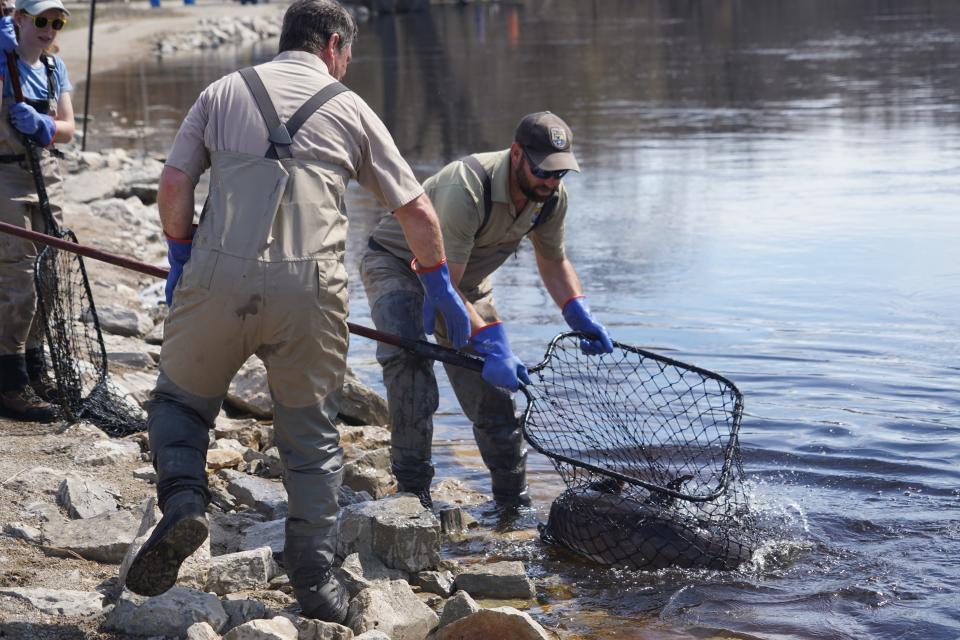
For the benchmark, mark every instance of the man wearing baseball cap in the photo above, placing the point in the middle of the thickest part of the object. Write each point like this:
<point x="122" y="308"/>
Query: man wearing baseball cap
<point x="44" y="117"/>
<point x="487" y="204"/>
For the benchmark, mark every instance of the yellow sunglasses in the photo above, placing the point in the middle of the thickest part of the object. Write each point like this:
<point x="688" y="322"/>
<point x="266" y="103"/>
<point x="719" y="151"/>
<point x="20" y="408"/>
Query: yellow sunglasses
<point x="41" y="22"/>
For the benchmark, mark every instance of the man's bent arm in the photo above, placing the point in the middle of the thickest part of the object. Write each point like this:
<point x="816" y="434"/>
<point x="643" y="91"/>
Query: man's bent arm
<point x="560" y="279"/>
<point x="175" y="202"/>
<point x="421" y="228"/>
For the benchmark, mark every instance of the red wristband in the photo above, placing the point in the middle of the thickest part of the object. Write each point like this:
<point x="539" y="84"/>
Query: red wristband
<point x="418" y="269"/>
<point x="486" y="326"/>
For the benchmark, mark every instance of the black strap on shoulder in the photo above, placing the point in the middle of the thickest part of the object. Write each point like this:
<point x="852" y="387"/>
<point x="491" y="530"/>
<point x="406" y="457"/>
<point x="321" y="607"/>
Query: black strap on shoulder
<point x="51" y="68"/>
<point x="281" y="135"/>
<point x="477" y="168"/>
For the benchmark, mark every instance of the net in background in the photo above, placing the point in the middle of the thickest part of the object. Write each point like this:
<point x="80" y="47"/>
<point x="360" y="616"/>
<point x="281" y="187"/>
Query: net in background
<point x="648" y="448"/>
<point x="75" y="345"/>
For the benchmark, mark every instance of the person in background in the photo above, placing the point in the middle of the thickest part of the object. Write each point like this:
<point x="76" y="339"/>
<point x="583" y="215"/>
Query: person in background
<point x="487" y="203"/>
<point x="263" y="273"/>
<point x="44" y="117"/>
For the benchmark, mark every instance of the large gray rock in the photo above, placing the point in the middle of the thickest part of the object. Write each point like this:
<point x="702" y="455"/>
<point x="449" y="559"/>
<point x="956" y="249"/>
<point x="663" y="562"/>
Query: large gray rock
<point x="59" y="603"/>
<point x="88" y="186"/>
<point x="264" y="534"/>
<point x="397" y="530"/>
<point x="371" y="473"/>
<point x="169" y="614"/>
<point x="202" y="631"/>
<point x="502" y="622"/>
<point x="438" y="582"/>
<point x="394" y="609"/>
<point x="121" y="321"/>
<point x="85" y="497"/>
<point x="241" y="610"/>
<point x="240" y="571"/>
<point x="107" y="452"/>
<point x="361" y="572"/>
<point x="318" y="630"/>
<point x="102" y="538"/>
<point x="459" y="606"/>
<point x="267" y="497"/>
<point x="359" y="404"/>
<point x="504" y="580"/>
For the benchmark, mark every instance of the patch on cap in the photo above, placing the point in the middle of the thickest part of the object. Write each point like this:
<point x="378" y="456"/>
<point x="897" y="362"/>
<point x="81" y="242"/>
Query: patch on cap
<point x="558" y="138"/>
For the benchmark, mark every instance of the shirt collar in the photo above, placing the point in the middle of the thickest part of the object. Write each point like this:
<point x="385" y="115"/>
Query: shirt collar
<point x="306" y="57"/>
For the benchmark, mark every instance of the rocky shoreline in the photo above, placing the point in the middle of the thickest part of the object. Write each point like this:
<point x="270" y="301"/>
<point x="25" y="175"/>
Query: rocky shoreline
<point x="75" y="505"/>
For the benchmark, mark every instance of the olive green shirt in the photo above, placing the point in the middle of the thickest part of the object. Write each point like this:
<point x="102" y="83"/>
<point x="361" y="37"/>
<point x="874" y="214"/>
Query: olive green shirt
<point x="457" y="195"/>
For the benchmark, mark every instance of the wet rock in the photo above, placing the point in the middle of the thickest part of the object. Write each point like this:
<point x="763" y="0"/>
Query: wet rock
<point x="504" y="580"/>
<point x="502" y="622"/>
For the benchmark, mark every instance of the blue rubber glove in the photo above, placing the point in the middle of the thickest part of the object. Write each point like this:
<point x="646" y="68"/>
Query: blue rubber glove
<point x="439" y="295"/>
<point x="8" y="36"/>
<point x="578" y="317"/>
<point x="500" y="367"/>
<point x="178" y="253"/>
<point x="28" y="121"/>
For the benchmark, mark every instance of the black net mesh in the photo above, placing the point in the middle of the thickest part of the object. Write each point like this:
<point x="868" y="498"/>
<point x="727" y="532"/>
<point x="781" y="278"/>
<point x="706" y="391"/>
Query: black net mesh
<point x="75" y="345"/>
<point x="648" y="449"/>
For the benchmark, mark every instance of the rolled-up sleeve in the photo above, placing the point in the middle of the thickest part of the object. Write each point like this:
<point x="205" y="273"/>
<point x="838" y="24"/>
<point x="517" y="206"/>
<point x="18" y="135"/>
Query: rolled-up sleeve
<point x="189" y="152"/>
<point x="382" y="170"/>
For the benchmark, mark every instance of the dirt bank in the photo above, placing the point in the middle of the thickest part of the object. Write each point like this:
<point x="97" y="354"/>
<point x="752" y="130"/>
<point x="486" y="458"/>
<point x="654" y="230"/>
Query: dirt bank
<point x="126" y="32"/>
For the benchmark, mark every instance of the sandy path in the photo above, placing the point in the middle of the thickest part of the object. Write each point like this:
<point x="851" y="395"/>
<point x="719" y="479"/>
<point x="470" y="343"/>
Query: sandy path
<point x="126" y="33"/>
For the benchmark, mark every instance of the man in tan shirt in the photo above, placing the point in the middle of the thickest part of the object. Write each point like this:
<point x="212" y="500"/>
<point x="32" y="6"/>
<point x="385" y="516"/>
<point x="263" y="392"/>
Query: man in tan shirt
<point x="263" y="273"/>
<point x="487" y="204"/>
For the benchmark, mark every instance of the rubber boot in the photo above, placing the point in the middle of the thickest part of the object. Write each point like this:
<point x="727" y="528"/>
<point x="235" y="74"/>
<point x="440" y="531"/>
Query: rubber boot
<point x="39" y="378"/>
<point x="179" y="533"/>
<point x="308" y="561"/>
<point x="510" y="489"/>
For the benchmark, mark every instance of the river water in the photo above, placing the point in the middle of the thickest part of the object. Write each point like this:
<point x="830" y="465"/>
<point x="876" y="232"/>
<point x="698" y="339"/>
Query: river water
<point x="769" y="190"/>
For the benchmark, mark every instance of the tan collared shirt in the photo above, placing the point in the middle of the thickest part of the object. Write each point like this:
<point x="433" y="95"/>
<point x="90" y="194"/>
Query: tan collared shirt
<point x="345" y="134"/>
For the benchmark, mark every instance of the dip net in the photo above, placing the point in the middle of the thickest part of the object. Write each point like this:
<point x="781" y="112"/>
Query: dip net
<point x="75" y="348"/>
<point x="648" y="449"/>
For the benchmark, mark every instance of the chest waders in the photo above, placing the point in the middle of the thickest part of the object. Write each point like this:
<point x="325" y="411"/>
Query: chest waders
<point x="265" y="277"/>
<point x="412" y="393"/>
<point x="31" y="194"/>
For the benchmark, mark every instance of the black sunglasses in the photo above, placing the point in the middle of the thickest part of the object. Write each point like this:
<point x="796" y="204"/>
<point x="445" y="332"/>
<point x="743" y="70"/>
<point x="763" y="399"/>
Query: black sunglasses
<point x="41" y="21"/>
<point x="541" y="173"/>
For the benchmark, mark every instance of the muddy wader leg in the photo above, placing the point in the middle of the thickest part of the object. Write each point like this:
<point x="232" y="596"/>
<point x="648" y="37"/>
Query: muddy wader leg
<point x="412" y="394"/>
<point x="178" y="439"/>
<point x="308" y="442"/>
<point x="498" y="435"/>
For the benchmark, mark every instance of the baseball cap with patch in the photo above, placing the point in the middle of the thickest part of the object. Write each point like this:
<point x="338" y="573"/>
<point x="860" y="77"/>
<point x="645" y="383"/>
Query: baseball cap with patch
<point x="548" y="141"/>
<point x="36" y="7"/>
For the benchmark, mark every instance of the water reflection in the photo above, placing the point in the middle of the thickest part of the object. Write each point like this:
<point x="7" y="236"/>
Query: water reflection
<point x="769" y="190"/>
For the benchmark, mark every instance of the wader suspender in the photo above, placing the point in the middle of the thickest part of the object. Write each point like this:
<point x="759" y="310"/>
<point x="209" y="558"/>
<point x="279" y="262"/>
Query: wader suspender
<point x="281" y="135"/>
<point x="474" y="164"/>
<point x="42" y="106"/>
